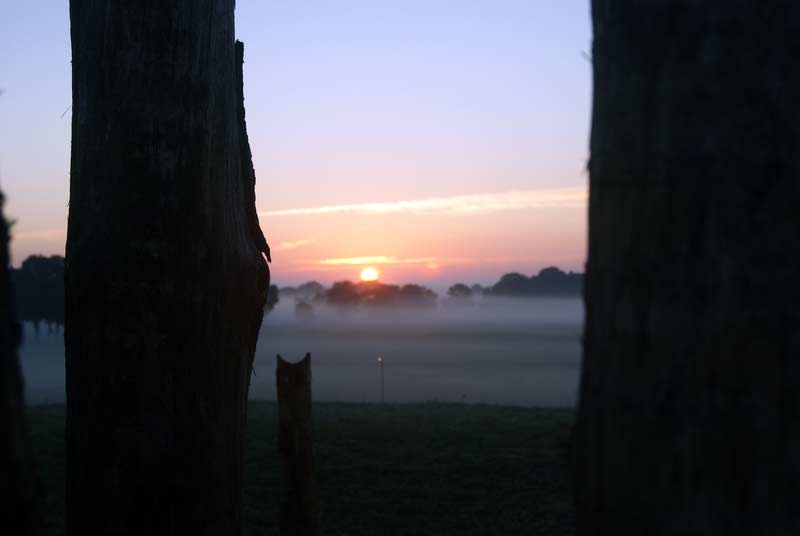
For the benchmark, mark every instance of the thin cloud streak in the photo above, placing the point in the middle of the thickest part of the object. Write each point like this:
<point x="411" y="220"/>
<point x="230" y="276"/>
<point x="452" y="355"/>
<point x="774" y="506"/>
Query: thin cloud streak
<point x="287" y="246"/>
<point x="44" y="234"/>
<point x="575" y="197"/>
<point x="437" y="261"/>
<point x="377" y="259"/>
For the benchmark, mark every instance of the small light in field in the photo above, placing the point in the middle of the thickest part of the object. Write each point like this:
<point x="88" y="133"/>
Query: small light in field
<point x="369" y="274"/>
<point x="380" y="359"/>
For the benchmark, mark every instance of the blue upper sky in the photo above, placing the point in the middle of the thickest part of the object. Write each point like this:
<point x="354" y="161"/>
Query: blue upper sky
<point x="351" y="101"/>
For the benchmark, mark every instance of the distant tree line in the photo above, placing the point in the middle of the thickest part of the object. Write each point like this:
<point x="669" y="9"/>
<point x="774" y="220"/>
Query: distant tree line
<point x="306" y="290"/>
<point x="549" y="282"/>
<point x="39" y="292"/>
<point x="374" y="294"/>
<point x="39" y="289"/>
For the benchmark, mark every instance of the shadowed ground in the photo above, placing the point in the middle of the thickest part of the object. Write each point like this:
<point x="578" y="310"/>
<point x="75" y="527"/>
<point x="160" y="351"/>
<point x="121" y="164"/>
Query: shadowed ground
<point x="394" y="469"/>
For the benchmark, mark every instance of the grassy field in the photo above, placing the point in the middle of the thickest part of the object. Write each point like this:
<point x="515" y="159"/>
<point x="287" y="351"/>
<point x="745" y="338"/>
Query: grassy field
<point x="405" y="469"/>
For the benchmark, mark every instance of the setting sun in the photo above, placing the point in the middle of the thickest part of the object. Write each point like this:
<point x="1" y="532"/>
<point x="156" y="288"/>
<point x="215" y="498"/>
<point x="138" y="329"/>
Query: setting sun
<point x="369" y="274"/>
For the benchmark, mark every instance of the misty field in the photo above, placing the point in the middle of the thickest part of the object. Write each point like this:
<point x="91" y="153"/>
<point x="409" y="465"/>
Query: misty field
<point x="453" y="451"/>
<point x="515" y="352"/>
<point x="393" y="469"/>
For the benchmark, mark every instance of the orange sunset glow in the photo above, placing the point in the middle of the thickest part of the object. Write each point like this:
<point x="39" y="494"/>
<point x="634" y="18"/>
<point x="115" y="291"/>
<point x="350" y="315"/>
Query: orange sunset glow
<point x="435" y="241"/>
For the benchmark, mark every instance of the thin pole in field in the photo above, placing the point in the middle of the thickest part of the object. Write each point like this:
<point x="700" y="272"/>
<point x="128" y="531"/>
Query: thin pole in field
<point x="380" y="364"/>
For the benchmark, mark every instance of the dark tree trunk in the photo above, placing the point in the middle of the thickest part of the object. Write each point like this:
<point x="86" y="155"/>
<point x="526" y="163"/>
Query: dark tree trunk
<point x="689" y="414"/>
<point x="19" y="490"/>
<point x="165" y="277"/>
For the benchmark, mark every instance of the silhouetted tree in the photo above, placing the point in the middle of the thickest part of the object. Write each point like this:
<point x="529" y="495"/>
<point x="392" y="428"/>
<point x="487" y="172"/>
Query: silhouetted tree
<point x="689" y="414"/>
<point x="513" y="284"/>
<point x="166" y="279"/>
<point x="459" y="290"/>
<point x="459" y="295"/>
<point x="310" y="289"/>
<point x="273" y="297"/>
<point x="19" y="511"/>
<point x="39" y="289"/>
<point x="306" y="290"/>
<point x="343" y="294"/>
<point x="378" y="294"/>
<point x="550" y="281"/>
<point x="417" y="296"/>
<point x="555" y="282"/>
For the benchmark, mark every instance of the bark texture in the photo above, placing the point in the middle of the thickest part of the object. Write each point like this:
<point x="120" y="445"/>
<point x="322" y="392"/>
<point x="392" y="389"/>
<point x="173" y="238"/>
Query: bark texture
<point x="689" y="413"/>
<point x="165" y="272"/>
<point x="19" y="489"/>
<point x="300" y="509"/>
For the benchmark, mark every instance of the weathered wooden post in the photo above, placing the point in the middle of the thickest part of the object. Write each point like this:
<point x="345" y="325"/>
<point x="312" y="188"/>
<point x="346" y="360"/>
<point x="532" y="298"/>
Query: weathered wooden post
<point x="689" y="413"/>
<point x="300" y="510"/>
<point x="166" y="271"/>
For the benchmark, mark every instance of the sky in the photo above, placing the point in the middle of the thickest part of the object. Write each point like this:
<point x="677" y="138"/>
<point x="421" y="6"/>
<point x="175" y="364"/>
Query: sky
<point x="437" y="141"/>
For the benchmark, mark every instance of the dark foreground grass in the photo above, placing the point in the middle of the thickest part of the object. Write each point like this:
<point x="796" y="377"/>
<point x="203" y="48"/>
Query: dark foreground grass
<point x="410" y="469"/>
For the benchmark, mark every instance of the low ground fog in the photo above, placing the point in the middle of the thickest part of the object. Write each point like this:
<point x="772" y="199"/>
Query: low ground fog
<point x="522" y="352"/>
